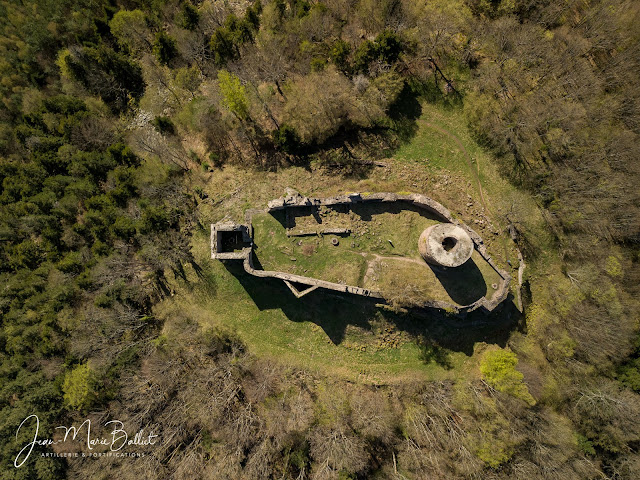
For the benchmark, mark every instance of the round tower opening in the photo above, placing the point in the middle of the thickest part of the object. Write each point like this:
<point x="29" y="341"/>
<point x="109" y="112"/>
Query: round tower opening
<point x="449" y="243"/>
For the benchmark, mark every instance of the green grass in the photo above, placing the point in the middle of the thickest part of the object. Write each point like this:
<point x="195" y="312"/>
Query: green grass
<point x="275" y="251"/>
<point x="321" y="332"/>
<point x="435" y="148"/>
<point x="380" y="254"/>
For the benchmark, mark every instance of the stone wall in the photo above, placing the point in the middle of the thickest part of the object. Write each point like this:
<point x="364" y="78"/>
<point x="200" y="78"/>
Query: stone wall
<point x="294" y="199"/>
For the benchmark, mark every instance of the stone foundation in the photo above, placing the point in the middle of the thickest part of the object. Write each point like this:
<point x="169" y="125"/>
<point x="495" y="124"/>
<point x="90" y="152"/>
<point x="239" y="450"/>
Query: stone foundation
<point x="463" y="233"/>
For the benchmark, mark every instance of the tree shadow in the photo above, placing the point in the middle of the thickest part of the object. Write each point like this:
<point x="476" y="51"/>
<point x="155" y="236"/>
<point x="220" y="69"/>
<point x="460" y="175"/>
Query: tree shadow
<point x="291" y="216"/>
<point x="464" y="284"/>
<point x="430" y="352"/>
<point x="404" y="113"/>
<point x="197" y="268"/>
<point x="460" y="333"/>
<point x="435" y="331"/>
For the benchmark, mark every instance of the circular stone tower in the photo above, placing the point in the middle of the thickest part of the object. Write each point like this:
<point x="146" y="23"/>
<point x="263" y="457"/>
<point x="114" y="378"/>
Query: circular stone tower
<point x="445" y="245"/>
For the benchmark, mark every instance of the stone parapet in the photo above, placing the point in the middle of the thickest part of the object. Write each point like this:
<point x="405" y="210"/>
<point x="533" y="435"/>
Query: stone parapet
<point x="294" y="199"/>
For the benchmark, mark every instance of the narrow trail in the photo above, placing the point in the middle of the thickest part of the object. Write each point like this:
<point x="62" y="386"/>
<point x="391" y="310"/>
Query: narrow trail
<point x="474" y="171"/>
<point x="377" y="258"/>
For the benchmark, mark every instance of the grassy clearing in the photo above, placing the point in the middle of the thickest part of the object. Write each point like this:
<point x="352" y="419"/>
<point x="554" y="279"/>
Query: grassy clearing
<point x="322" y="332"/>
<point x="390" y="230"/>
<point x="343" y="335"/>
<point x="444" y="147"/>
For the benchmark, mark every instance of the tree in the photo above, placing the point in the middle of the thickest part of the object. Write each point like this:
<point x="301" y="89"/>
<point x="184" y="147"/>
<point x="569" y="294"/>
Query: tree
<point x="80" y="387"/>
<point x="188" y="78"/>
<point x="339" y="53"/>
<point x="222" y="47"/>
<point x="386" y="47"/>
<point x="234" y="95"/>
<point x="164" y="125"/>
<point x="164" y="48"/>
<point x="226" y="40"/>
<point x="286" y="139"/>
<point x="190" y="16"/>
<point x="498" y="368"/>
<point x="364" y="55"/>
<point x="131" y="31"/>
<point x="319" y="104"/>
<point x="104" y="72"/>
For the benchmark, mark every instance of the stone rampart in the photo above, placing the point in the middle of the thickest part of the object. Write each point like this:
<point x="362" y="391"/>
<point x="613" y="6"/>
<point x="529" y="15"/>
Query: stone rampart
<point x="294" y="199"/>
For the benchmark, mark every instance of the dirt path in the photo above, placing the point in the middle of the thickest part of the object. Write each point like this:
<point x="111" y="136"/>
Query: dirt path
<point x="474" y="171"/>
<point x="377" y="258"/>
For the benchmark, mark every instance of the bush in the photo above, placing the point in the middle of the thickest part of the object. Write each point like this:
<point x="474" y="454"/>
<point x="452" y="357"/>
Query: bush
<point x="124" y="228"/>
<point x="164" y="125"/>
<point x="79" y="387"/>
<point x="498" y="367"/>
<point x="194" y="156"/>
<point x="318" y="64"/>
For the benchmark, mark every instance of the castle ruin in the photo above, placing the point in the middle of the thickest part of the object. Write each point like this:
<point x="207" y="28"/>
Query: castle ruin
<point x="446" y="245"/>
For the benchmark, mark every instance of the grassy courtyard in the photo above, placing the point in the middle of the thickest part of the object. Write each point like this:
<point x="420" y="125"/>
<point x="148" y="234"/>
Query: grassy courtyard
<point x="379" y="253"/>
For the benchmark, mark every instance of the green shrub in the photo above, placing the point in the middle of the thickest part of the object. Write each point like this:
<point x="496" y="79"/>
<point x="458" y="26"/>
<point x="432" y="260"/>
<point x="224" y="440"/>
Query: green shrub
<point x="585" y="445"/>
<point x="71" y="263"/>
<point x="318" y="64"/>
<point x="216" y="159"/>
<point x="79" y="387"/>
<point x="498" y="368"/>
<point x="194" y="156"/>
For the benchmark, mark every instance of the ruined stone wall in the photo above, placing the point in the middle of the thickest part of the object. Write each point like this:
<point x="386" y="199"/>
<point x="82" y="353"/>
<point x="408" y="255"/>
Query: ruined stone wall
<point x="294" y="199"/>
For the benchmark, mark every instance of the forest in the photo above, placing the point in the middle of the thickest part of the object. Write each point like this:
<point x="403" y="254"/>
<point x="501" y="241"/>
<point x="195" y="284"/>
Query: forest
<point x="127" y="127"/>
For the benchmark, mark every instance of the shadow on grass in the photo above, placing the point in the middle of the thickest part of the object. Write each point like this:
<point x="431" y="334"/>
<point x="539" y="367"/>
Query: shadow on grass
<point x="366" y="211"/>
<point x="464" y="284"/>
<point x="430" y="352"/>
<point x="404" y="112"/>
<point x="294" y="216"/>
<point x="331" y="311"/>
<point x="433" y="330"/>
<point x="434" y="92"/>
